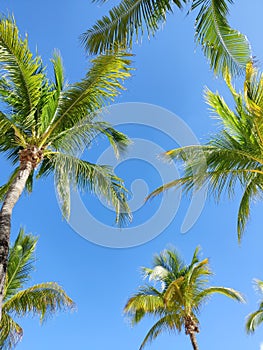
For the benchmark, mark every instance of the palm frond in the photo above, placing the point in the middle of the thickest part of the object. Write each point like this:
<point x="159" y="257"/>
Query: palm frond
<point x="147" y="301"/>
<point x="167" y="323"/>
<point x="23" y="73"/>
<point x="99" y="179"/>
<point x="255" y="319"/>
<point x="125" y="21"/>
<point x="10" y="332"/>
<point x="222" y="45"/>
<point x="20" y="263"/>
<point x="102" y="83"/>
<point x="43" y="299"/>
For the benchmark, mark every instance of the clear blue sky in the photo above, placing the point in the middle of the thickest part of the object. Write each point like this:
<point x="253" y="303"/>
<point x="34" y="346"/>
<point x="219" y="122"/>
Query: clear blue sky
<point x="171" y="73"/>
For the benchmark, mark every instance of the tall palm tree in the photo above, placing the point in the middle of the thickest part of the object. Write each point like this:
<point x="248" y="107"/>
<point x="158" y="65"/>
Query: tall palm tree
<point x="176" y="295"/>
<point x="44" y="124"/>
<point x="255" y="319"/>
<point x="42" y="300"/>
<point x="234" y="155"/>
<point x="222" y="45"/>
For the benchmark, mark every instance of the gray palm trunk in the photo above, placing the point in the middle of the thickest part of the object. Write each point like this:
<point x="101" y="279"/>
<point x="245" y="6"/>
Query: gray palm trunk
<point x="29" y="158"/>
<point x="193" y="340"/>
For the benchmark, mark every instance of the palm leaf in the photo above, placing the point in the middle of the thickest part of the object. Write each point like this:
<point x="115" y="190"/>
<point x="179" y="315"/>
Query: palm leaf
<point x="125" y="21"/>
<point x="98" y="179"/>
<point x="167" y="323"/>
<point x="43" y="299"/>
<point x="102" y="83"/>
<point x="222" y="45"/>
<point x="20" y="263"/>
<point x="10" y="332"/>
<point x="23" y="72"/>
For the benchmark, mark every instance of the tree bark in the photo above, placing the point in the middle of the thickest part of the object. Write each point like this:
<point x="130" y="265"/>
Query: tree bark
<point x="193" y="340"/>
<point x="12" y="196"/>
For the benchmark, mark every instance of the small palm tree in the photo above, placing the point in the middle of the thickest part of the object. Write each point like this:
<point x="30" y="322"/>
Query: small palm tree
<point x="181" y="293"/>
<point x="221" y="44"/>
<point x="42" y="299"/>
<point x="255" y="319"/>
<point x="44" y="124"/>
<point x="234" y="155"/>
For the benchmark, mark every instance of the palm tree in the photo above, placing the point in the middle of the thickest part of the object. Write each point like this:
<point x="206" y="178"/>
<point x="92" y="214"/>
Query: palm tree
<point x="234" y="155"/>
<point x="176" y="295"/>
<point x="43" y="299"/>
<point x="222" y="45"/>
<point x="255" y="319"/>
<point x="44" y="124"/>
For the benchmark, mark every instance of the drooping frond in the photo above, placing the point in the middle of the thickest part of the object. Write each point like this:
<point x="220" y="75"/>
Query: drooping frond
<point x="228" y="292"/>
<point x="170" y="322"/>
<point x="10" y="332"/>
<point x="102" y="83"/>
<point x="23" y="73"/>
<point x="20" y="263"/>
<point x="99" y="179"/>
<point x="222" y="45"/>
<point x="42" y="300"/>
<point x="81" y="136"/>
<point x="147" y="301"/>
<point x="255" y="319"/>
<point x="125" y="21"/>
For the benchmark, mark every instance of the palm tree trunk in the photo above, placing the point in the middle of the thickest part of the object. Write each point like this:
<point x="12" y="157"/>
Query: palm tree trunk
<point x="193" y="340"/>
<point x="12" y="196"/>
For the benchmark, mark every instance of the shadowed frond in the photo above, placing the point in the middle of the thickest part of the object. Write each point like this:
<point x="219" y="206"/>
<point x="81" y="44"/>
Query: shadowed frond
<point x="10" y="334"/>
<point x="167" y="323"/>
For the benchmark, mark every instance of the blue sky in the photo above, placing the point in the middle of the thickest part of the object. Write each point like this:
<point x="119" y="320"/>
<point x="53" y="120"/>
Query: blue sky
<point x="171" y="73"/>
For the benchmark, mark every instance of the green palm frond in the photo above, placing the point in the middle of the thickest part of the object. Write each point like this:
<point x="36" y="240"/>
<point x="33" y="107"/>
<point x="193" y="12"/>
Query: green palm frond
<point x="222" y="45"/>
<point x="20" y="263"/>
<point x="23" y="73"/>
<point x="10" y="332"/>
<point x="255" y="319"/>
<point x="102" y="83"/>
<point x="166" y="323"/>
<point x="99" y="179"/>
<point x="125" y="21"/>
<point x="43" y="299"/>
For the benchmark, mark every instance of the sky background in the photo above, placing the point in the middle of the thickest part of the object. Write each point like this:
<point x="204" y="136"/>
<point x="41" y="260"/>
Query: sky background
<point x="171" y="72"/>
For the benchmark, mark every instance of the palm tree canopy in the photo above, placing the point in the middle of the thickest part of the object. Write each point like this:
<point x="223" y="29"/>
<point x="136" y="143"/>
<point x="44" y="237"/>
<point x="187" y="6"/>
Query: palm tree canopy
<point x="222" y="45"/>
<point x="42" y="300"/>
<point x="175" y="295"/>
<point x="232" y="156"/>
<point x="50" y="122"/>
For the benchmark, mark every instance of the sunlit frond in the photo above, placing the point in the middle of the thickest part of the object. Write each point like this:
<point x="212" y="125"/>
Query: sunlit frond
<point x="10" y="332"/>
<point x="127" y="21"/>
<point x="222" y="45"/>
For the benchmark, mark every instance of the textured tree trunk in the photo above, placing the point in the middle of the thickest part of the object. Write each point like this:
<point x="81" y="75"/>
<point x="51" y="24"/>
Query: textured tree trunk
<point x="11" y="198"/>
<point x="193" y="340"/>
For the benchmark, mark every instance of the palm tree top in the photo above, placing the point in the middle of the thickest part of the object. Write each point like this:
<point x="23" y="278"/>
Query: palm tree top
<point x="174" y="295"/>
<point x="43" y="299"/>
<point x="233" y="155"/>
<point x="47" y="123"/>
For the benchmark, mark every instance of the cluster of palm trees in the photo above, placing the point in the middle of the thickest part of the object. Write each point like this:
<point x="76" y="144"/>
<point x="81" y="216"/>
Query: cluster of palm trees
<point x="45" y="124"/>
